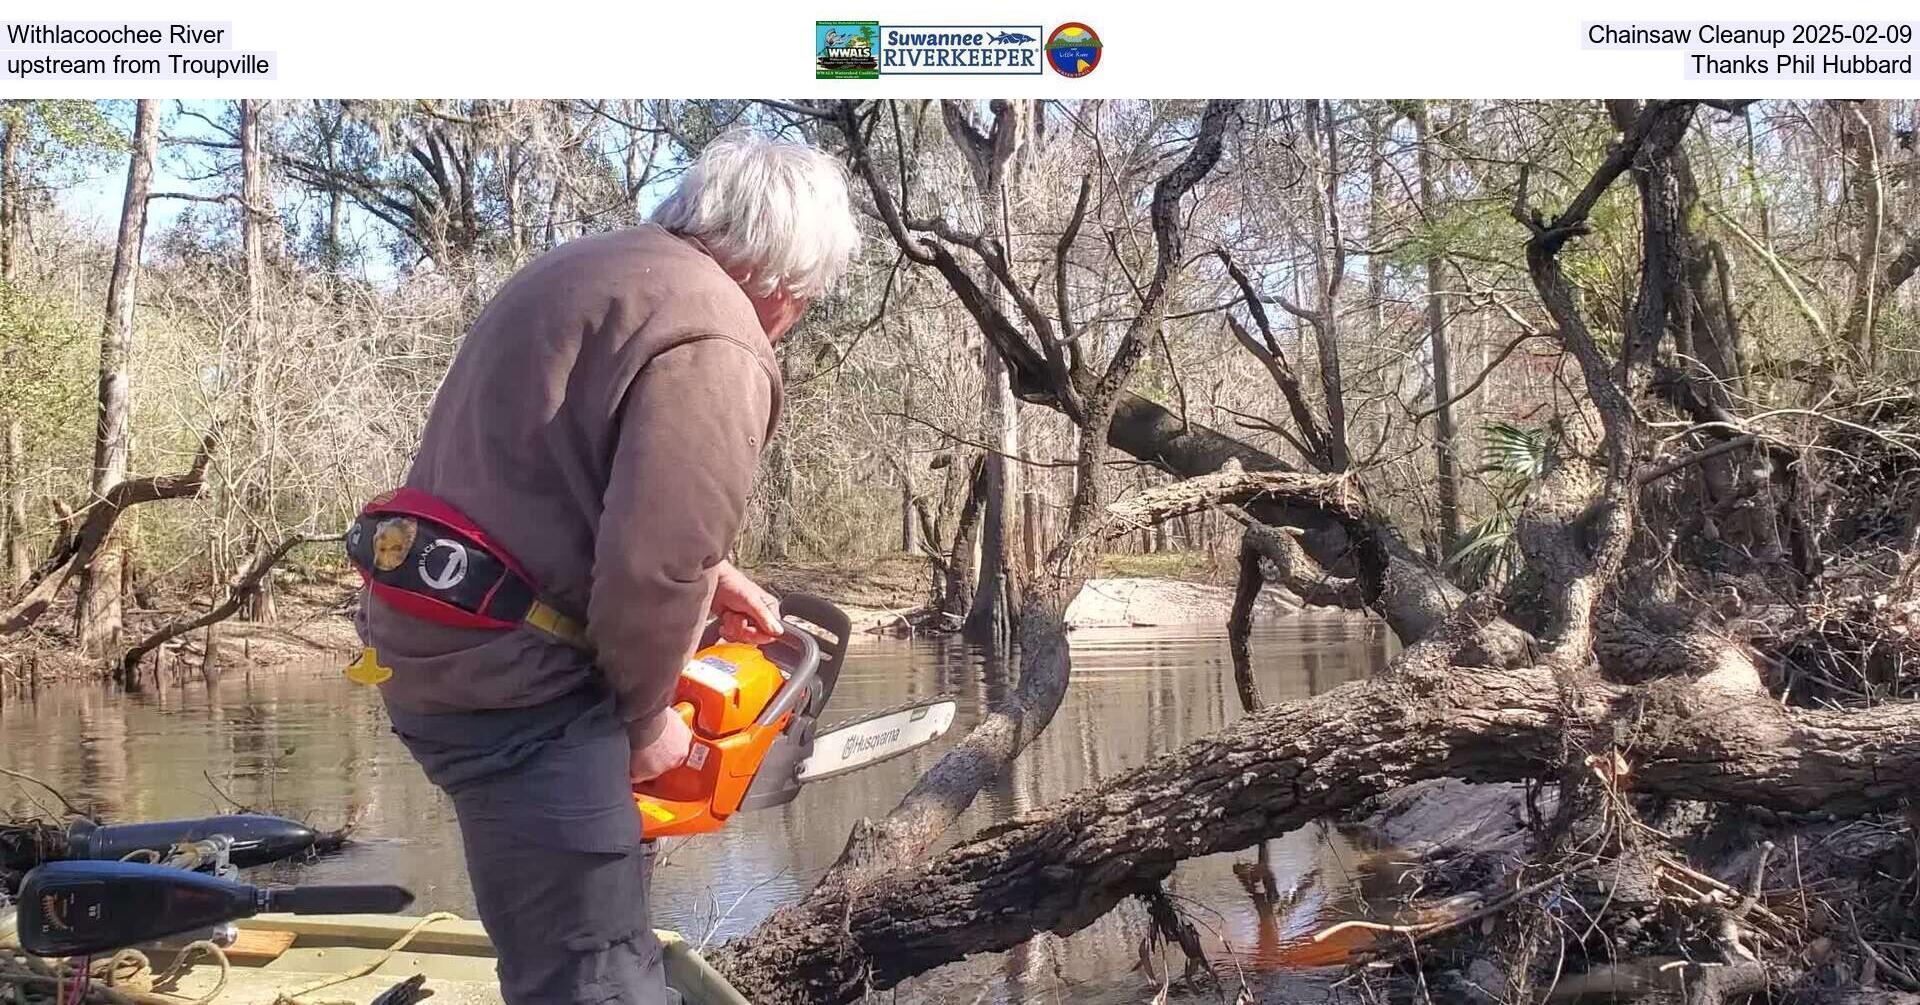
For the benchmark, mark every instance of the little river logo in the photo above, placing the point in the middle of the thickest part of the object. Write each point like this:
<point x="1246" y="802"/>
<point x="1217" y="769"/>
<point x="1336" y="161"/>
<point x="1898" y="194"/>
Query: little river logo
<point x="1073" y="49"/>
<point x="926" y="50"/>
<point x="846" y="50"/>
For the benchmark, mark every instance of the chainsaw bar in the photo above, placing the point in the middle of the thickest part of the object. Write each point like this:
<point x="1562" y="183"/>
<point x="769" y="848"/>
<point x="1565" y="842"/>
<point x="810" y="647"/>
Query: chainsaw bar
<point x="869" y="739"/>
<point x="908" y="705"/>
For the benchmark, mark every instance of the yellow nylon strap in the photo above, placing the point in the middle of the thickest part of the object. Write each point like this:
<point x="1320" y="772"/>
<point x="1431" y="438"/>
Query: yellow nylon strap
<point x="544" y="618"/>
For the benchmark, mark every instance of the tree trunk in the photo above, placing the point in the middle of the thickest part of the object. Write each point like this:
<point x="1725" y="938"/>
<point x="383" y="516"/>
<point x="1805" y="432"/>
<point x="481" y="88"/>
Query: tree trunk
<point x="796" y="954"/>
<point x="13" y="525"/>
<point x="909" y="541"/>
<point x="957" y="598"/>
<point x="9" y="197"/>
<point x="336" y="207"/>
<point x="248" y="580"/>
<point x="780" y="470"/>
<point x="1329" y="269"/>
<point x="1447" y="487"/>
<point x="1033" y="528"/>
<point x="903" y="460"/>
<point x="82" y="535"/>
<point x="1865" y="126"/>
<point x="19" y="559"/>
<point x="97" y="615"/>
<point x="1295" y="762"/>
<point x="997" y="159"/>
<point x="256" y="206"/>
<point x="1246" y="593"/>
<point x="997" y="597"/>
<point x="1412" y="597"/>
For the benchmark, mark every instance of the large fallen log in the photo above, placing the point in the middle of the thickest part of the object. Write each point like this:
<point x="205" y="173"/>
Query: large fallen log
<point x="1714" y="738"/>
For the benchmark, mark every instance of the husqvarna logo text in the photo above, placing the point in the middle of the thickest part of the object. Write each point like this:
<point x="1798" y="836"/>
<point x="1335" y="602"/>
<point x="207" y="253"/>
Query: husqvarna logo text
<point x="861" y="744"/>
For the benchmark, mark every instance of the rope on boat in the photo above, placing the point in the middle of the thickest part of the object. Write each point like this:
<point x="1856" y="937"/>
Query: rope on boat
<point x="293" y="997"/>
<point x="126" y="978"/>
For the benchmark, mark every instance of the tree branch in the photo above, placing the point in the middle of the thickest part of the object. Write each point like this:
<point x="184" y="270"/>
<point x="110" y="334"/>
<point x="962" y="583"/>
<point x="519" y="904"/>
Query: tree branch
<point x="243" y="584"/>
<point x="97" y="522"/>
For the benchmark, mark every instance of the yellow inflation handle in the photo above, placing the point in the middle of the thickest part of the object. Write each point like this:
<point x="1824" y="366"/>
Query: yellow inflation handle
<point x="367" y="669"/>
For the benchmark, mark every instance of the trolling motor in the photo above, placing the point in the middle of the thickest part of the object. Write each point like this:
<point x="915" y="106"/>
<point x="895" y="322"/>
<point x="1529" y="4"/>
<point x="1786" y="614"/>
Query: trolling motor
<point x="221" y="845"/>
<point x="80" y="908"/>
<point x="257" y="839"/>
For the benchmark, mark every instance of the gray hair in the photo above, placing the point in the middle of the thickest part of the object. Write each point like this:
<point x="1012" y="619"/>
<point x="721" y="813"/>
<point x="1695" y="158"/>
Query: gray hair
<point x="776" y="212"/>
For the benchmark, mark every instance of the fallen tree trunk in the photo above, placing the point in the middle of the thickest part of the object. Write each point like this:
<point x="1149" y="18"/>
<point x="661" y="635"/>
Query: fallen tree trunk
<point x="1409" y="593"/>
<point x="95" y="526"/>
<point x="1718" y="738"/>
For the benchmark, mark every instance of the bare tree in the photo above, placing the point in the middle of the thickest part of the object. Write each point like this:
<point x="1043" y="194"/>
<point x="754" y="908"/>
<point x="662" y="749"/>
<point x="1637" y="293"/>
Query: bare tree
<point x="256" y="209"/>
<point x="13" y="523"/>
<point x="1440" y="358"/>
<point x="98" y="615"/>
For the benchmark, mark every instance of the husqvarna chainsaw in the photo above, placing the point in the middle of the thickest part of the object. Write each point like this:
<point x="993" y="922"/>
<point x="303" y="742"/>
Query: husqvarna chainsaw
<point x="754" y="712"/>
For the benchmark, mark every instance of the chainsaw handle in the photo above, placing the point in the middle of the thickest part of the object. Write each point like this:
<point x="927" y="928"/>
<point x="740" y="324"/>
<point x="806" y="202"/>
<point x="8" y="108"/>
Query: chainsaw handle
<point x="805" y="663"/>
<point x="837" y="629"/>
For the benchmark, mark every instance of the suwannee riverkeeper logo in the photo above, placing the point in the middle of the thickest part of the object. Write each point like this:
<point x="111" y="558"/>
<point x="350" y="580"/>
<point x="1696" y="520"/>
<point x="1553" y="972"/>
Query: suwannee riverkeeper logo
<point x="863" y="50"/>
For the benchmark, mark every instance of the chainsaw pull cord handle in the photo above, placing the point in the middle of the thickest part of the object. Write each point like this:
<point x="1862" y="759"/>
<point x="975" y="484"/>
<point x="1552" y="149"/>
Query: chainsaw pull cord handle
<point x="806" y="664"/>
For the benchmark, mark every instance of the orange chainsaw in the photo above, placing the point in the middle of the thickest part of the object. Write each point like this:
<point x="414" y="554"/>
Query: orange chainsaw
<point x="754" y="710"/>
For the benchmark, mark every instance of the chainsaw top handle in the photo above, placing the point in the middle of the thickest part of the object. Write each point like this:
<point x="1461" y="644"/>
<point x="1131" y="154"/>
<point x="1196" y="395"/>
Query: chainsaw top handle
<point x="810" y="652"/>
<point x="795" y="651"/>
<point x="831" y="630"/>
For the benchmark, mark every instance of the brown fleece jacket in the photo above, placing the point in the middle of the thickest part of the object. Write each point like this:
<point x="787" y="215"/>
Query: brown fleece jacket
<point x="602" y="421"/>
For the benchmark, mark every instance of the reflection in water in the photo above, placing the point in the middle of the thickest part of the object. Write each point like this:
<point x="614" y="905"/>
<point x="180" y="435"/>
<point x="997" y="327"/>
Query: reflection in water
<point x="313" y="746"/>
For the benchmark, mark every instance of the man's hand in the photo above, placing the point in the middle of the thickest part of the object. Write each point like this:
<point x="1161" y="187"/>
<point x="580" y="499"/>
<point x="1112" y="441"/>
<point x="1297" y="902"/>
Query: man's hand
<point x="661" y="745"/>
<point x="747" y="612"/>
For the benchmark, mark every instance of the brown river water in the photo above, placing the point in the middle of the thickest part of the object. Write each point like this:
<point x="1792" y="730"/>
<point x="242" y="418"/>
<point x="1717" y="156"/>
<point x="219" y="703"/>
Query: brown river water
<point x="307" y="743"/>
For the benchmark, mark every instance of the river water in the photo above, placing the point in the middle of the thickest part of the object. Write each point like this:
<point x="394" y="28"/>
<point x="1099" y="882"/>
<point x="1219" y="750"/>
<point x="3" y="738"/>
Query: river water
<point x="307" y="743"/>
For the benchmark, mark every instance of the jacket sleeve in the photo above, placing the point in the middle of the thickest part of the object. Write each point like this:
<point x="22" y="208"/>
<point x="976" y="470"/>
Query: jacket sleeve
<point x="688" y="441"/>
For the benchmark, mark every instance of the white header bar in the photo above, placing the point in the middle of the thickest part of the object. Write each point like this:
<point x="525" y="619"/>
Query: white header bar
<point x="1197" y="48"/>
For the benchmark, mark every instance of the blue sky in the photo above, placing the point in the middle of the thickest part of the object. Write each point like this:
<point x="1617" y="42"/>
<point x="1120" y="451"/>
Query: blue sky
<point x="96" y="200"/>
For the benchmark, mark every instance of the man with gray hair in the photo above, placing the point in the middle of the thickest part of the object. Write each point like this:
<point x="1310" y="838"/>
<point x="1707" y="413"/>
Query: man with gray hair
<point x="591" y="452"/>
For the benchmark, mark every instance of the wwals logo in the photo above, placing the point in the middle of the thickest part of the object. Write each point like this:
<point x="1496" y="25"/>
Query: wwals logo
<point x="846" y="50"/>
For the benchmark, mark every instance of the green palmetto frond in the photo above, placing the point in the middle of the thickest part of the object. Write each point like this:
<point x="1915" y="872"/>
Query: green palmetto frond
<point x="1485" y="552"/>
<point x="1514" y="457"/>
<point x="1515" y="451"/>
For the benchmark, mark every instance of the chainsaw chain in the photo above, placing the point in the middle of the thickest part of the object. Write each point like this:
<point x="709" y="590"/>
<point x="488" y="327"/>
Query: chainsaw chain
<point x="819" y="731"/>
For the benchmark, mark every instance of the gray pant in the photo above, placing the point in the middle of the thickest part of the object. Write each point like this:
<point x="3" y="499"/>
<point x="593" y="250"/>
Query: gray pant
<point x="552" y="840"/>
<point x="569" y="926"/>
